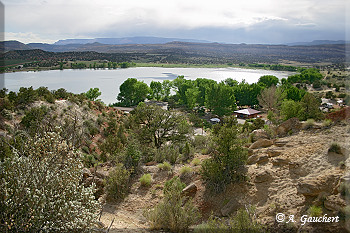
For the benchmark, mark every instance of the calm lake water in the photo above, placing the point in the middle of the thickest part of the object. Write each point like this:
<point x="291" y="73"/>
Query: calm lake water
<point x="108" y="81"/>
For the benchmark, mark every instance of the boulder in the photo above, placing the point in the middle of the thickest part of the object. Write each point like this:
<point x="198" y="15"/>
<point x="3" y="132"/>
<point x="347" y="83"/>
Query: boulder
<point x="262" y="159"/>
<point x="280" y="161"/>
<point x="250" y="152"/>
<point x="189" y="190"/>
<point x="280" y="143"/>
<point x="290" y="125"/>
<point x="313" y="186"/>
<point x="253" y="159"/>
<point x="230" y="207"/>
<point x="263" y="176"/>
<point x="261" y="143"/>
<point x="260" y="133"/>
<point x="151" y="163"/>
<point x="274" y="152"/>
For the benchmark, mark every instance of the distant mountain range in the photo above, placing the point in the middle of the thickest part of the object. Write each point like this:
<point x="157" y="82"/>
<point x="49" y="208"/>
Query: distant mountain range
<point x="127" y="40"/>
<point x="108" y="45"/>
<point x="319" y="42"/>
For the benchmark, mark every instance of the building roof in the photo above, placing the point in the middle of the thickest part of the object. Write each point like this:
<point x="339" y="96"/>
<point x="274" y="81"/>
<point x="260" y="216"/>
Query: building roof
<point x="215" y="120"/>
<point x="247" y="111"/>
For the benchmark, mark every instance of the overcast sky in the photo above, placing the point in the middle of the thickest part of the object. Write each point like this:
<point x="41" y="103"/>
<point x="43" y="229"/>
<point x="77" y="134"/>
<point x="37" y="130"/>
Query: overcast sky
<point x="229" y="21"/>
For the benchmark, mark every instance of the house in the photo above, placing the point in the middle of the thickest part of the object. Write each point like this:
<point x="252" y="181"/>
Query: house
<point x="126" y="110"/>
<point x="163" y="105"/>
<point x="247" y="113"/>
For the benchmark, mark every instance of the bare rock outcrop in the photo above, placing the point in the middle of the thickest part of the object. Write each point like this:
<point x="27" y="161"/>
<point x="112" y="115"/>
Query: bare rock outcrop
<point x="290" y="125"/>
<point x="334" y="203"/>
<point x="263" y="176"/>
<point x="313" y="186"/>
<point x="261" y="143"/>
<point x="190" y="190"/>
<point x="230" y="207"/>
<point x="260" y="134"/>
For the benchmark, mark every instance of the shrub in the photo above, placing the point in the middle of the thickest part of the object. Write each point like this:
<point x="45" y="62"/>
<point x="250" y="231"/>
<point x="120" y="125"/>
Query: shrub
<point x="315" y="211"/>
<point x="164" y="166"/>
<point x="6" y="114"/>
<point x="327" y="123"/>
<point x="185" y="170"/>
<point x="168" y="153"/>
<point x="173" y="213"/>
<point x="33" y="119"/>
<point x="117" y="183"/>
<point x="146" y="180"/>
<point x="132" y="156"/>
<point x="187" y="152"/>
<point x="89" y="160"/>
<point x="41" y="189"/>
<point x="196" y="161"/>
<point x="335" y="147"/>
<point x="344" y="189"/>
<point x="243" y="221"/>
<point x="309" y="124"/>
<point x="200" y="142"/>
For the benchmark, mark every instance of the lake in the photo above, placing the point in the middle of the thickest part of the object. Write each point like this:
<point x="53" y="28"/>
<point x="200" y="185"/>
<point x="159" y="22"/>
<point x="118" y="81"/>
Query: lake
<point x="108" y="81"/>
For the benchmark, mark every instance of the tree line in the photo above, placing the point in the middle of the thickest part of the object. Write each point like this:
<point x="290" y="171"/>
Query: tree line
<point x="220" y="98"/>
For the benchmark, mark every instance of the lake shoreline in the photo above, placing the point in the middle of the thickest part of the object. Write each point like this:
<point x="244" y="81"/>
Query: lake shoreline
<point x="155" y="65"/>
<point x="109" y="80"/>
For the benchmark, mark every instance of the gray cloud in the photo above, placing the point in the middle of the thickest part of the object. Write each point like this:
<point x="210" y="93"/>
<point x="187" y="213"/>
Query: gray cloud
<point x="250" y="21"/>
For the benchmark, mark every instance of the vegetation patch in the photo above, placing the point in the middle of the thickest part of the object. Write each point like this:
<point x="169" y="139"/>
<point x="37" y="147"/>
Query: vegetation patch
<point x="146" y="180"/>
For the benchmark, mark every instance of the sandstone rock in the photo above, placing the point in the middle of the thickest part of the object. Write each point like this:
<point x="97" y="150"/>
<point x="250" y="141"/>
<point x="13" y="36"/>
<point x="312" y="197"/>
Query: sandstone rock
<point x="260" y="133"/>
<point x="334" y="203"/>
<point x="263" y="176"/>
<point x="261" y="143"/>
<point x="273" y="152"/>
<point x="253" y="159"/>
<point x="250" y="152"/>
<point x="313" y="186"/>
<point x="230" y="207"/>
<point x="280" y="143"/>
<point x="262" y="159"/>
<point x="292" y="124"/>
<point x="151" y="163"/>
<point x="190" y="190"/>
<point x="280" y="161"/>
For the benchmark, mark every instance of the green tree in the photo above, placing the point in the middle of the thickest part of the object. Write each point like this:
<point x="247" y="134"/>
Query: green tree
<point x="268" y="81"/>
<point x="132" y="92"/>
<point x="226" y="162"/>
<point x="246" y="94"/>
<point x="157" y="126"/>
<point x="166" y="87"/>
<point x="181" y="85"/>
<point x="202" y="85"/>
<point x="290" y="109"/>
<point x="311" y="108"/>
<point x="93" y="93"/>
<point x="156" y="90"/>
<point x="191" y="97"/>
<point x="220" y="99"/>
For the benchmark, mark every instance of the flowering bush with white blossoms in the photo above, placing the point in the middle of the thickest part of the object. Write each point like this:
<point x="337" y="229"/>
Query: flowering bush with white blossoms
<point x="41" y="189"/>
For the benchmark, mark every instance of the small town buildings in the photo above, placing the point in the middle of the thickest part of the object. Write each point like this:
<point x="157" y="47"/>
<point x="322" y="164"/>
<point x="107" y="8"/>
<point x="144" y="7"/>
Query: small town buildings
<point x="247" y="113"/>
